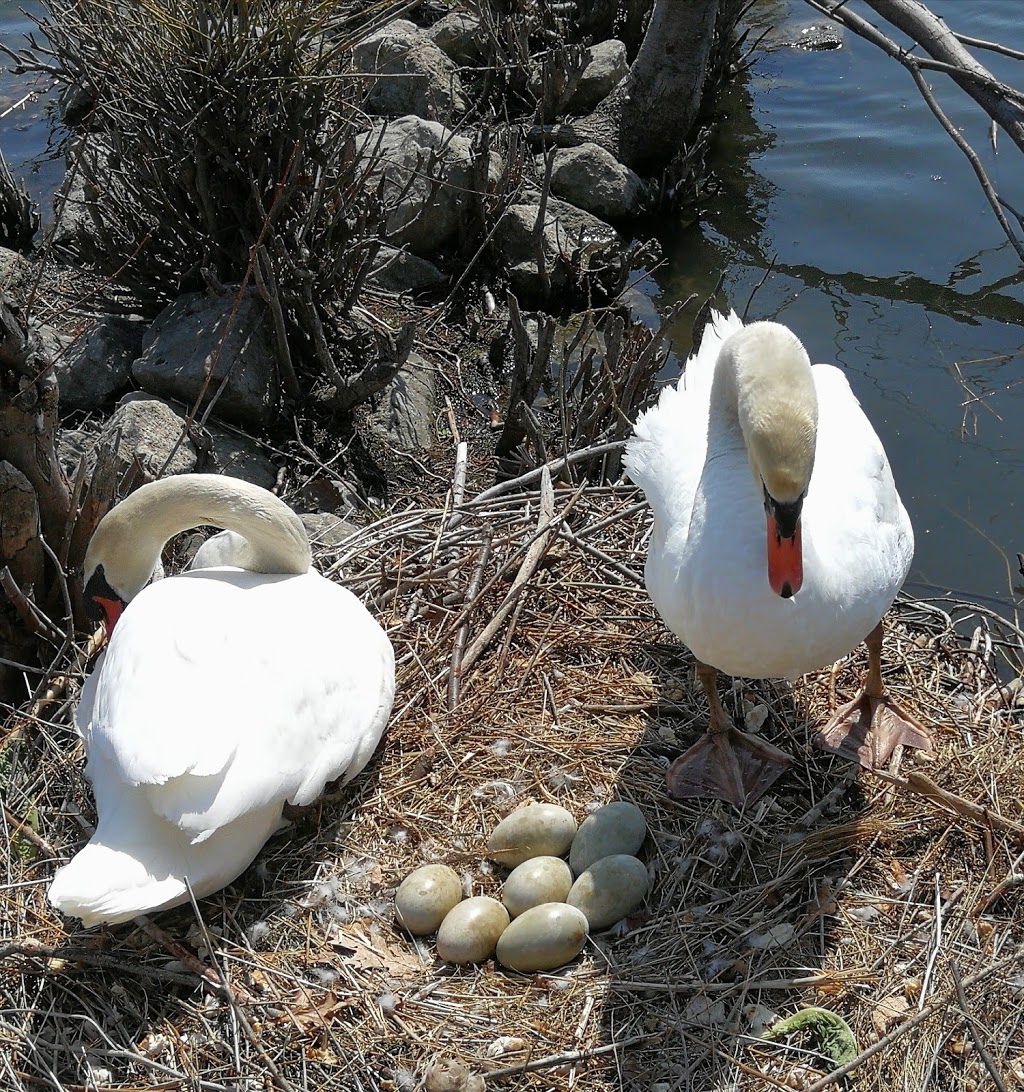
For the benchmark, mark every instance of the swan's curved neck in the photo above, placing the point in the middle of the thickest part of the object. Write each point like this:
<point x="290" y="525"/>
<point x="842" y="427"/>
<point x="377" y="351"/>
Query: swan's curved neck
<point x="129" y="539"/>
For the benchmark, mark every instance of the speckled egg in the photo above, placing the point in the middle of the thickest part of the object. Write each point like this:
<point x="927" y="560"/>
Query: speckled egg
<point x="609" y="889"/>
<point x="425" y="896"/>
<point x="543" y="937"/>
<point x="471" y="929"/>
<point x="615" y="828"/>
<point x="534" y="830"/>
<point x="538" y="880"/>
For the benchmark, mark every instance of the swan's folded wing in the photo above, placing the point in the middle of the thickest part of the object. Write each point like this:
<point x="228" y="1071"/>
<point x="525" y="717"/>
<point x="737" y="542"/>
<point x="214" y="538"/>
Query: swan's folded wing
<point x="223" y="691"/>
<point x="850" y="452"/>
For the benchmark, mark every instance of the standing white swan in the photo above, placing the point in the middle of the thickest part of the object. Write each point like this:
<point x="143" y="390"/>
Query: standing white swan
<point x="223" y="693"/>
<point x="779" y="542"/>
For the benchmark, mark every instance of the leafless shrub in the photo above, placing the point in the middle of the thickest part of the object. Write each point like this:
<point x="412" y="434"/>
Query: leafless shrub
<point x="575" y="389"/>
<point x="219" y="151"/>
<point x="19" y="216"/>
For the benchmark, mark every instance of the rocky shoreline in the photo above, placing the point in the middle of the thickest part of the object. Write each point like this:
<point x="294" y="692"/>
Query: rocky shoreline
<point x="339" y="387"/>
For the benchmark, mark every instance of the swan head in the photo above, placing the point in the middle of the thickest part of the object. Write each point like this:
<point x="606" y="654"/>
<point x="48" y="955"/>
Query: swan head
<point x="124" y="552"/>
<point x="777" y="408"/>
<point x="114" y="572"/>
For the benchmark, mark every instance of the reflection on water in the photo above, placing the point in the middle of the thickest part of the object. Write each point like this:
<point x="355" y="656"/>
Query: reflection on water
<point x="887" y="261"/>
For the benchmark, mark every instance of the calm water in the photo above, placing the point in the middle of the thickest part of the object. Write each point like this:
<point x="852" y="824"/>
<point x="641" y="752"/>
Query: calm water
<point x="24" y="113"/>
<point x="887" y="261"/>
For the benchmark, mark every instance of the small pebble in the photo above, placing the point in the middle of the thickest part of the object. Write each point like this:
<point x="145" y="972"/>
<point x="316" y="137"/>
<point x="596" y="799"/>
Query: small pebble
<point x="534" y="830"/>
<point x="616" y="828"/>
<point x="471" y="930"/>
<point x="543" y="937"/>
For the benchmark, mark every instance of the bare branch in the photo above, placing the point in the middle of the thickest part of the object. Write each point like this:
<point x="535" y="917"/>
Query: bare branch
<point x="948" y="54"/>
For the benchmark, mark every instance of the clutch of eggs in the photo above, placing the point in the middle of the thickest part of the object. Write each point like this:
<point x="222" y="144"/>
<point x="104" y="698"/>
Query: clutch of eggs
<point x="545" y="914"/>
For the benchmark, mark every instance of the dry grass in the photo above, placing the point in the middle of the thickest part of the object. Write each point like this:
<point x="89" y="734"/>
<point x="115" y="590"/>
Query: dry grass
<point x="873" y="897"/>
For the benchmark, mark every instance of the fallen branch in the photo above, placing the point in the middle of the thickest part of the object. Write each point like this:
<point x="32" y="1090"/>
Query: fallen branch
<point x="922" y="785"/>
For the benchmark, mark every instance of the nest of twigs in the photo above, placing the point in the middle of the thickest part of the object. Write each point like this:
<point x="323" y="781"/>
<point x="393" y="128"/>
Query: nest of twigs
<point x="532" y="666"/>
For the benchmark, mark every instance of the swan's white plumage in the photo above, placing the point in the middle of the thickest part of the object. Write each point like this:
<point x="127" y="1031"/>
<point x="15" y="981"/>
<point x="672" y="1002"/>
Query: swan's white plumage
<point x="705" y="567"/>
<point x="223" y="693"/>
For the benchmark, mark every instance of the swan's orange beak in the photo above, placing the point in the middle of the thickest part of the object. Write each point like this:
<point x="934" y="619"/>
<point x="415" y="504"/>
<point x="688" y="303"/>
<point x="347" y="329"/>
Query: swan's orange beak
<point x="785" y="560"/>
<point x="785" y="557"/>
<point x="111" y="609"/>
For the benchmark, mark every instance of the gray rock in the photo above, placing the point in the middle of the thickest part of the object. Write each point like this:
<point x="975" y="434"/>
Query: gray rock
<point x="237" y="455"/>
<point x="189" y="334"/>
<point x="592" y="178"/>
<point x="461" y="36"/>
<point x="607" y="65"/>
<point x="331" y="495"/>
<point x="74" y="445"/>
<point x="98" y="365"/>
<point x="326" y="530"/>
<point x="15" y="272"/>
<point x="413" y="75"/>
<point x="397" y="270"/>
<point x="428" y="170"/>
<point x="88" y="176"/>
<point x="48" y="344"/>
<point x="146" y="430"/>
<point x="403" y="415"/>
<point x="569" y="234"/>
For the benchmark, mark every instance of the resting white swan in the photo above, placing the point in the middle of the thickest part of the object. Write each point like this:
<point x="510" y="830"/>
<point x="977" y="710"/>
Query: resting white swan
<point x="223" y="693"/>
<point x="779" y="542"/>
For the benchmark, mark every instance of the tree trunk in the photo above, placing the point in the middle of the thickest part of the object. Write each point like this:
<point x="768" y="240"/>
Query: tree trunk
<point x="35" y="499"/>
<point x="648" y="117"/>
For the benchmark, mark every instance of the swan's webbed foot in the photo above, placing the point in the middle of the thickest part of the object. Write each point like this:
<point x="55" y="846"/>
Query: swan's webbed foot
<point x="873" y="725"/>
<point x="727" y="765"/>
<point x="869" y="729"/>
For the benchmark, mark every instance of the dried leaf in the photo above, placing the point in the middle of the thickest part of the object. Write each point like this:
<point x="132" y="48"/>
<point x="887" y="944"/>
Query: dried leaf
<point x="889" y="1011"/>
<point x="374" y="952"/>
<point x="310" y="1015"/>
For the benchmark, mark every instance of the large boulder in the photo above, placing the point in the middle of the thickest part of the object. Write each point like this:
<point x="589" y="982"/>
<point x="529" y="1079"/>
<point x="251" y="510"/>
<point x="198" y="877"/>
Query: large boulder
<point x="199" y="333"/>
<point x="428" y="172"/>
<point x="606" y="66"/>
<point x="15" y="272"/>
<point x="592" y="178"/>
<point x="149" y="431"/>
<point x="461" y="36"/>
<point x="412" y="75"/>
<point x="98" y="365"/>
<point x="569" y="237"/>
<point x="75" y="204"/>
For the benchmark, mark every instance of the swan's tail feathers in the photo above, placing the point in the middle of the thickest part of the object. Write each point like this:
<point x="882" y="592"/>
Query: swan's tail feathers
<point x="102" y="884"/>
